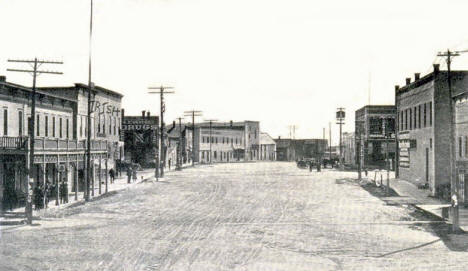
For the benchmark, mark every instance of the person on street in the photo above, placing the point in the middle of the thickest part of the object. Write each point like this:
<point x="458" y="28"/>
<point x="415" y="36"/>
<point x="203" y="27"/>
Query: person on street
<point x="112" y="175"/>
<point x="129" y="174"/>
<point x="64" y="191"/>
<point x="134" y="175"/>
<point x="38" y="197"/>
<point x="311" y="165"/>
<point x="46" y="194"/>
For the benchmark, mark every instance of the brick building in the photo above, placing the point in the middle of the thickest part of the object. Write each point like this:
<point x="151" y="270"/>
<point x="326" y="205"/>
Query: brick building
<point x="60" y="136"/>
<point x="424" y="119"/>
<point x="140" y="136"/>
<point x="376" y="126"/>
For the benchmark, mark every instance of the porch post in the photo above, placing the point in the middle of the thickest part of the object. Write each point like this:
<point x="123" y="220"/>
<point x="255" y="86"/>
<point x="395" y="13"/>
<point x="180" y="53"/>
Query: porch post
<point x="107" y="173"/>
<point x="75" y="171"/>
<point x="100" y="173"/>
<point x="57" y="185"/>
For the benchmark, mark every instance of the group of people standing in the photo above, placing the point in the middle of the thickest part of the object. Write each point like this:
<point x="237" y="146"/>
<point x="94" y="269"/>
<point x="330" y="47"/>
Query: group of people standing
<point x="43" y="192"/>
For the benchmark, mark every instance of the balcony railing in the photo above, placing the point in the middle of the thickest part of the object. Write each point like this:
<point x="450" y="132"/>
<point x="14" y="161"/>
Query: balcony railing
<point x="13" y="143"/>
<point x="50" y="144"/>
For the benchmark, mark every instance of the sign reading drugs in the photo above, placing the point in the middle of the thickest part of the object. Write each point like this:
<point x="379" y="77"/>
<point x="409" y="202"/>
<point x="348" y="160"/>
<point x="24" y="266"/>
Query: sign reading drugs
<point x="139" y="123"/>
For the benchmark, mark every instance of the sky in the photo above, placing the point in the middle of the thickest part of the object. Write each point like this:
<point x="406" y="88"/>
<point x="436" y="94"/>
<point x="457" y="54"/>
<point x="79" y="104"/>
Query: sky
<point x="283" y="63"/>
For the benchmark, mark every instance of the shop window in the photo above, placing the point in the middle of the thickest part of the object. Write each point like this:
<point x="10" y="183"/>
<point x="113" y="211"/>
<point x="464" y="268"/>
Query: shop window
<point x="413" y="144"/>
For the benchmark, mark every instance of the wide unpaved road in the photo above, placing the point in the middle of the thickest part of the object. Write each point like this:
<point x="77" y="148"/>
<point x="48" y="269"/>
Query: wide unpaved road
<point x="253" y="216"/>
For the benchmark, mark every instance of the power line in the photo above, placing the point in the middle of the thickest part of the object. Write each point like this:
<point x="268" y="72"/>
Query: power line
<point x="211" y="138"/>
<point x="162" y="156"/>
<point x="194" y="113"/>
<point x="35" y="72"/>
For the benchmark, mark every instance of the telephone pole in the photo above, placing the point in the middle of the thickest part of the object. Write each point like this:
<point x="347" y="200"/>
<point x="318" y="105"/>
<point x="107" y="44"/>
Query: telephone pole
<point x="211" y="138"/>
<point x="88" y="134"/>
<point x="453" y="168"/>
<point x="162" y="156"/>
<point x="194" y="113"/>
<point x="179" y="149"/>
<point x="340" y="116"/>
<point x="35" y="65"/>
<point x="329" y="146"/>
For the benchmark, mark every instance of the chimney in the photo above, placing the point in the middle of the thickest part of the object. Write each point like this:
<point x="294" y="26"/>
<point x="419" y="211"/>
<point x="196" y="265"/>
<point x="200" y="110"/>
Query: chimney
<point x="122" y="113"/>
<point x="2" y="78"/>
<point x="279" y="137"/>
<point x="408" y="81"/>
<point x="397" y="87"/>
<point x="143" y="113"/>
<point x="148" y="114"/>
<point x="416" y="76"/>
<point x="436" y="68"/>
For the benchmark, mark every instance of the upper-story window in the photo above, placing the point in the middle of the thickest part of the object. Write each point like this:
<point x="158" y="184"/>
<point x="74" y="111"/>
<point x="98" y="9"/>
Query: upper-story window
<point x="430" y="113"/>
<point x="68" y="128"/>
<point x="46" y="126"/>
<point x="20" y="123"/>
<point x="60" y="128"/>
<point x="5" y="121"/>
<point x="38" y="125"/>
<point x="53" y="126"/>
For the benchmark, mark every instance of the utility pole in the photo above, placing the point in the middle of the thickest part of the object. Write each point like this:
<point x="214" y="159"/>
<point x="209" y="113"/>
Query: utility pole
<point x="340" y="116"/>
<point x="162" y="156"/>
<point x="358" y="125"/>
<point x="88" y="134"/>
<point x="387" y="135"/>
<point x="453" y="168"/>
<point x="179" y="149"/>
<point x="35" y="65"/>
<point x="194" y="113"/>
<point x="211" y="138"/>
<point x="329" y="137"/>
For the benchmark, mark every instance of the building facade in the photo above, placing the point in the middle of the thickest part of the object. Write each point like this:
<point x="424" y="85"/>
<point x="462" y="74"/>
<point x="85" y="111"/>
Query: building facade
<point x="424" y="143"/>
<point x="140" y="136"/>
<point x="349" y="149"/>
<point x="376" y="137"/>
<point x="59" y="147"/>
<point x="267" y="147"/>
<point x="296" y="149"/>
<point x="227" y="142"/>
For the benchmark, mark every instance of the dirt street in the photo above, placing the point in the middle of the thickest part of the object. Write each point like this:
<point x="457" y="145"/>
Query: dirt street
<point x="249" y="216"/>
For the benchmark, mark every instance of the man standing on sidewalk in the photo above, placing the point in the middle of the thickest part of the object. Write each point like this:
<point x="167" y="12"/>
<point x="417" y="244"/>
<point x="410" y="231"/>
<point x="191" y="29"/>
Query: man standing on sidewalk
<point x="129" y="174"/>
<point x="112" y="175"/>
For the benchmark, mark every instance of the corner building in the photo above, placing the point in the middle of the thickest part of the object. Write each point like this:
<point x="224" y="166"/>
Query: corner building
<point x="424" y="117"/>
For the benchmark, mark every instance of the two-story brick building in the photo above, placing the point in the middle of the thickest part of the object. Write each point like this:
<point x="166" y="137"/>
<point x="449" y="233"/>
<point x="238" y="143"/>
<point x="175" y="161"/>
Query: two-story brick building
<point x="424" y="118"/>
<point x="60" y="136"/>
<point x="376" y="126"/>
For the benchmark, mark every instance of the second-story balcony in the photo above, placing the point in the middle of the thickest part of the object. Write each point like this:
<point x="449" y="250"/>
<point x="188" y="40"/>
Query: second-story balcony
<point x="50" y="144"/>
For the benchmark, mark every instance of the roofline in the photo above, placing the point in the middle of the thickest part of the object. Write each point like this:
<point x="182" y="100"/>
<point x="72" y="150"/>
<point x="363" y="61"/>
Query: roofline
<point x="426" y="79"/>
<point x="38" y="91"/>
<point x="82" y="86"/>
